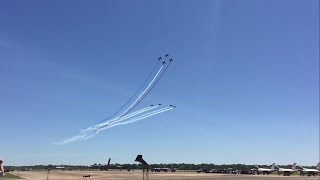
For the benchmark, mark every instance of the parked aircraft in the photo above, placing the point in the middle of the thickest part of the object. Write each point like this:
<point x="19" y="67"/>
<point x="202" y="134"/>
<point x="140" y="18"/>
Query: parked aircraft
<point x="310" y="172"/>
<point x="61" y="167"/>
<point x="64" y="168"/>
<point x="162" y="169"/>
<point x="265" y="170"/>
<point x="105" y="167"/>
<point x="287" y="172"/>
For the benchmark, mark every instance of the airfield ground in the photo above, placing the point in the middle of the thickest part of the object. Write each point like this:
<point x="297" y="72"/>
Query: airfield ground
<point x="137" y="175"/>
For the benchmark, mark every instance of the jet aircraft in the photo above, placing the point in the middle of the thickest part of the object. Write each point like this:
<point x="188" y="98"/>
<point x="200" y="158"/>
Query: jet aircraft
<point x="287" y="172"/>
<point x="310" y="172"/>
<point x="265" y="170"/>
<point x="167" y="55"/>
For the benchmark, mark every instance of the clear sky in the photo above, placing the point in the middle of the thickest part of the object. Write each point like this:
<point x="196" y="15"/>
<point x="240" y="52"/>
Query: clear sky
<point x="245" y="80"/>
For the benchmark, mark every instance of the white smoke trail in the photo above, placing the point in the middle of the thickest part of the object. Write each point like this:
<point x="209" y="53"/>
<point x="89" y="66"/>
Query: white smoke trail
<point x="118" y="119"/>
<point x="139" y="117"/>
<point x="122" y="119"/>
<point x="148" y="115"/>
<point x="93" y="130"/>
<point x="134" y="113"/>
<point x="84" y="135"/>
<point x="129" y="108"/>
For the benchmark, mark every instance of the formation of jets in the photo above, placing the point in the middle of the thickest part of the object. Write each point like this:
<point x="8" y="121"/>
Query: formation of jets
<point x="288" y="171"/>
<point x="164" y="62"/>
<point x="160" y="105"/>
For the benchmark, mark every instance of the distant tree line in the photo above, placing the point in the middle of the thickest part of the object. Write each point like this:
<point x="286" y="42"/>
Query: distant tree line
<point x="177" y="166"/>
<point x="180" y="166"/>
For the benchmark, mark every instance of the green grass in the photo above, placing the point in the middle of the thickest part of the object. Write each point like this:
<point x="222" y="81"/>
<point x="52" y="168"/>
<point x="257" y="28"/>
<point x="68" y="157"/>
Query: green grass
<point x="11" y="176"/>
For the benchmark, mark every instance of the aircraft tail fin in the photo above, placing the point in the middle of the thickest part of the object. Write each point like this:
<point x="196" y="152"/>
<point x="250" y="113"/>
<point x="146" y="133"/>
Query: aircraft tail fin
<point x="108" y="165"/>
<point x="318" y="166"/>
<point x="294" y="166"/>
<point x="273" y="166"/>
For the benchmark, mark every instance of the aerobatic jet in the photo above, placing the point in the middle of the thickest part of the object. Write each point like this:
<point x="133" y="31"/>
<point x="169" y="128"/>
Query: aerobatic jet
<point x="163" y="62"/>
<point x="159" y="58"/>
<point x="171" y="60"/>
<point x="167" y="55"/>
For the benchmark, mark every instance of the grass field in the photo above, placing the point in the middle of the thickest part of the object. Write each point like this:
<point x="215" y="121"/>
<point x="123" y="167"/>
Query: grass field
<point x="10" y="176"/>
<point x="137" y="175"/>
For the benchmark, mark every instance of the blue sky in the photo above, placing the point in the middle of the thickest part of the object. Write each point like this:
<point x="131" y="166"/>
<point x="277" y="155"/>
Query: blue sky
<point x="245" y="80"/>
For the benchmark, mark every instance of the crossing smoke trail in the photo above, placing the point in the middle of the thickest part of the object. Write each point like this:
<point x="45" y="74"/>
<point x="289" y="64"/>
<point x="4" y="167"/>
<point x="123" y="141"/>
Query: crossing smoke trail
<point x="135" y="94"/>
<point x="131" y="115"/>
<point x="155" y="111"/>
<point x="96" y="126"/>
<point x="91" y="133"/>
<point x="93" y="130"/>
<point x="134" y="103"/>
<point x="151" y="86"/>
<point x="139" y="118"/>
